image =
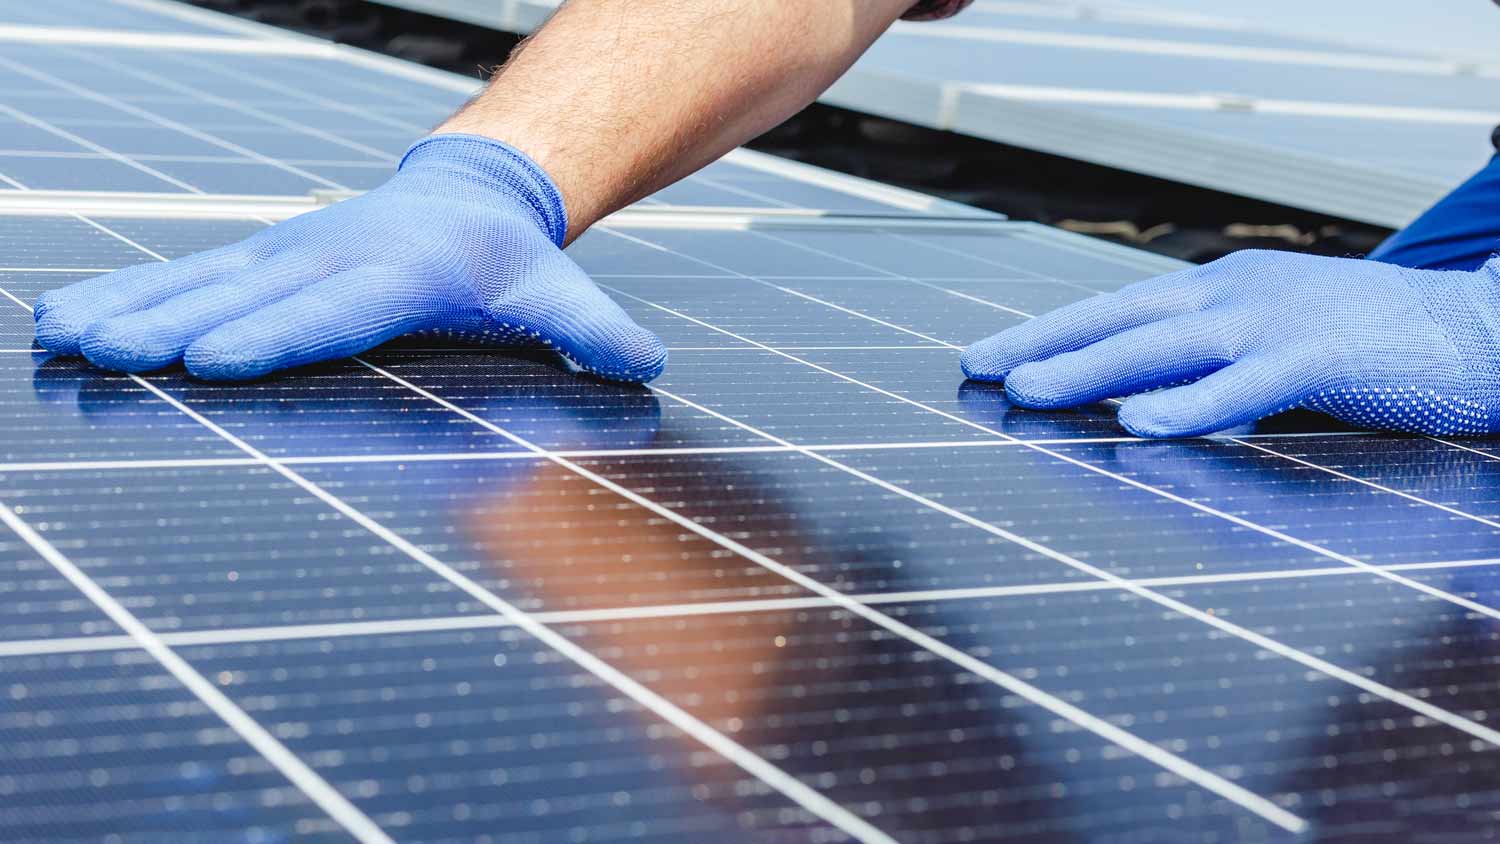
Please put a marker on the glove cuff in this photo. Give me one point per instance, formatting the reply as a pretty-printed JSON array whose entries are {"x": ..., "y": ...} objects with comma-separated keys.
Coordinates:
[{"x": 498, "y": 166}]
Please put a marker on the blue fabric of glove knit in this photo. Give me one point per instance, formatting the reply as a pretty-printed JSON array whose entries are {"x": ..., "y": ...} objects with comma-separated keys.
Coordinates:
[{"x": 465, "y": 239}]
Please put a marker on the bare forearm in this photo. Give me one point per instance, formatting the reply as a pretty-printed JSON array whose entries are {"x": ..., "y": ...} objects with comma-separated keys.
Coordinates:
[{"x": 616, "y": 99}]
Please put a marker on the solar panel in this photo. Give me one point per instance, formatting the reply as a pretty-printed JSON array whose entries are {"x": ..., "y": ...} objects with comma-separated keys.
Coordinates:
[
  {"x": 233, "y": 116},
  {"x": 1365, "y": 132},
  {"x": 808, "y": 586},
  {"x": 127, "y": 17}
]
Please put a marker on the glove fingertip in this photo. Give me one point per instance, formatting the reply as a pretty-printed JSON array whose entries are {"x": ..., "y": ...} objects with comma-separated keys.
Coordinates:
[
  {"x": 634, "y": 358},
  {"x": 1148, "y": 417},
  {"x": 58, "y": 335},
  {"x": 982, "y": 362},
  {"x": 1032, "y": 385},
  {"x": 124, "y": 346},
  {"x": 217, "y": 360}
]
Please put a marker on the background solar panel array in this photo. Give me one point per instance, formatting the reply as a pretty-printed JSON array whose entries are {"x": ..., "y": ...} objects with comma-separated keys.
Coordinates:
[
  {"x": 1360, "y": 130},
  {"x": 810, "y": 586}
]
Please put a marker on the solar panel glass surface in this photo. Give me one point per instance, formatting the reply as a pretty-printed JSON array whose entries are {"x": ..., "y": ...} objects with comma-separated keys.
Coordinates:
[
  {"x": 783, "y": 538},
  {"x": 76, "y": 117},
  {"x": 808, "y": 586},
  {"x": 1320, "y": 116}
]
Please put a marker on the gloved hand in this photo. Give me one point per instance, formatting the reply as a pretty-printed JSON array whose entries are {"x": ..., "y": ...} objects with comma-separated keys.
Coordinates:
[
  {"x": 1259, "y": 332},
  {"x": 465, "y": 238}
]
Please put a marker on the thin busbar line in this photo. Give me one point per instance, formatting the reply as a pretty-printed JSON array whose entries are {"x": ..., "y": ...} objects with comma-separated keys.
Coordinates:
[
  {"x": 1453, "y": 511},
  {"x": 317, "y": 789},
  {"x": 146, "y": 464},
  {"x": 65, "y": 270},
  {"x": 1025, "y": 274},
  {"x": 1189, "y": 771},
  {"x": 1471, "y": 605},
  {"x": 795, "y": 790},
  {"x": 438, "y": 624},
  {"x": 893, "y": 275},
  {"x": 790, "y": 787},
  {"x": 153, "y": 117},
  {"x": 1134, "y": 587},
  {"x": 1435, "y": 592},
  {"x": 192, "y": 158},
  {"x": 11, "y": 296},
  {"x": 108, "y": 153},
  {"x": 482, "y": 456},
  {"x": 205, "y": 96},
  {"x": 288, "y": 92},
  {"x": 1392, "y": 694}
]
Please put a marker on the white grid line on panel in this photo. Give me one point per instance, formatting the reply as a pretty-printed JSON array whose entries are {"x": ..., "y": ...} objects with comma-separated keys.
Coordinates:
[
  {"x": 236, "y": 105},
  {"x": 1434, "y": 713},
  {"x": 798, "y": 792},
  {"x": 308, "y": 781},
  {"x": 1421, "y": 707},
  {"x": 153, "y": 117},
  {"x": 1208, "y": 780},
  {"x": 1473, "y": 606},
  {"x": 247, "y": 635},
  {"x": 109, "y": 154}
]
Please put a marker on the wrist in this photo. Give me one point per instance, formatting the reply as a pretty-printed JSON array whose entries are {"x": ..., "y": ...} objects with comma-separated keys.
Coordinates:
[{"x": 493, "y": 165}]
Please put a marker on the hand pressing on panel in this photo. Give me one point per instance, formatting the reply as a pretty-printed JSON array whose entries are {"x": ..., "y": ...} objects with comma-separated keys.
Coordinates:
[
  {"x": 465, "y": 238},
  {"x": 1260, "y": 332}
]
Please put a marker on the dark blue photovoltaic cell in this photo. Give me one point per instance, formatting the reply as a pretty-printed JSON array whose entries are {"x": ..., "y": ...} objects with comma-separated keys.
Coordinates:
[
  {"x": 109, "y": 747},
  {"x": 548, "y": 407},
  {"x": 242, "y": 124},
  {"x": 744, "y": 308},
  {"x": 67, "y": 243},
  {"x": 1269, "y": 725},
  {"x": 1090, "y": 517},
  {"x": 429, "y": 735},
  {"x": 1391, "y": 634},
  {"x": 791, "y": 400},
  {"x": 869, "y": 580},
  {"x": 487, "y": 736},
  {"x": 875, "y": 723},
  {"x": 831, "y": 525},
  {"x": 292, "y": 560},
  {"x": 36, "y": 602},
  {"x": 933, "y": 378},
  {"x": 1339, "y": 515},
  {"x": 1466, "y": 478},
  {"x": 545, "y": 539},
  {"x": 63, "y": 410}
]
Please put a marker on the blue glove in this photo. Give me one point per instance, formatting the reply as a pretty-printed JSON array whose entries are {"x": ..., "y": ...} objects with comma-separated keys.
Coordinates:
[
  {"x": 464, "y": 239},
  {"x": 1256, "y": 333}
]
